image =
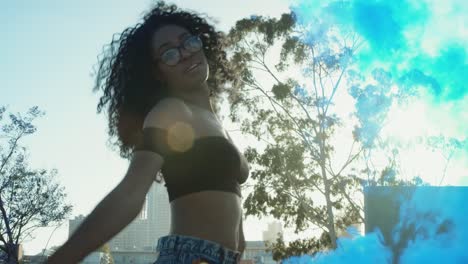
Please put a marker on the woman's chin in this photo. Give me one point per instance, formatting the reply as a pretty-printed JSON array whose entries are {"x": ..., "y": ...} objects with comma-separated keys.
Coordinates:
[
  {"x": 195, "y": 79},
  {"x": 198, "y": 79}
]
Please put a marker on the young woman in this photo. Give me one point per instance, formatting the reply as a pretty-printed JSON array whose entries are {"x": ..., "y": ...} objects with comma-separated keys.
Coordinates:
[{"x": 158, "y": 79}]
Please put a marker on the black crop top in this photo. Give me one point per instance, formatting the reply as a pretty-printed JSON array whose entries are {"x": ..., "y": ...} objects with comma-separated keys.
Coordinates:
[{"x": 211, "y": 163}]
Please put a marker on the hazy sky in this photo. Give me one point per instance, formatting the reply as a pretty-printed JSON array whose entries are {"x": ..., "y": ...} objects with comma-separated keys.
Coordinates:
[{"x": 47, "y": 52}]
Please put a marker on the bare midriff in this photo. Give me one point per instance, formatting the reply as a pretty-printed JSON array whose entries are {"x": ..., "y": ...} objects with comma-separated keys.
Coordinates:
[{"x": 209, "y": 215}]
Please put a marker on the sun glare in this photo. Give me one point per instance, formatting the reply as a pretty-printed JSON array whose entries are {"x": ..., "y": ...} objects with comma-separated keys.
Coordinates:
[{"x": 406, "y": 123}]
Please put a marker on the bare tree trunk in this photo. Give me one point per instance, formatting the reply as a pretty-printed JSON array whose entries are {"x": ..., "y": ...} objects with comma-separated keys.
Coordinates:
[
  {"x": 11, "y": 254},
  {"x": 331, "y": 218}
]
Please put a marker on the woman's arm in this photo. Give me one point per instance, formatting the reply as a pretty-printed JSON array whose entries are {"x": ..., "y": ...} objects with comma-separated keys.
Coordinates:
[
  {"x": 114, "y": 212},
  {"x": 110, "y": 216}
]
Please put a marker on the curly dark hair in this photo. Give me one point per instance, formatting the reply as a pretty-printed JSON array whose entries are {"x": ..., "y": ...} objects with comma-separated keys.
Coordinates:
[{"x": 125, "y": 71}]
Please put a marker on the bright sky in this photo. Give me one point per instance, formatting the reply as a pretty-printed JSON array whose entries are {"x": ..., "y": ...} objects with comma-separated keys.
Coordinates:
[{"x": 47, "y": 52}]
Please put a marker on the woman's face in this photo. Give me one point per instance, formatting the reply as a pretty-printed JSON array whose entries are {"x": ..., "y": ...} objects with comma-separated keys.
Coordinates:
[{"x": 181, "y": 77}]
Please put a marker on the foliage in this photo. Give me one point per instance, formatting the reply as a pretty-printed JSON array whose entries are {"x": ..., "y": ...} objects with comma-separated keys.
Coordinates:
[
  {"x": 299, "y": 176},
  {"x": 107, "y": 259},
  {"x": 29, "y": 198}
]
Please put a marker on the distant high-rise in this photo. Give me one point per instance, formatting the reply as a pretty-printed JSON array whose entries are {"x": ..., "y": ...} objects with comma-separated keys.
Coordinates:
[
  {"x": 256, "y": 252},
  {"x": 159, "y": 211},
  {"x": 142, "y": 233},
  {"x": 271, "y": 234},
  {"x": 152, "y": 223},
  {"x": 74, "y": 223}
]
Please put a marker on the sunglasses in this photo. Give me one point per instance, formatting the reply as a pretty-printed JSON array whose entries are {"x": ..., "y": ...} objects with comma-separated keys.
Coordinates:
[{"x": 172, "y": 56}]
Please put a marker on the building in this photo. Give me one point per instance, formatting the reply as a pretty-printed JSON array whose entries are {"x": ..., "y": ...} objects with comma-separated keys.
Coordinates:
[
  {"x": 94, "y": 258},
  {"x": 152, "y": 223},
  {"x": 255, "y": 252},
  {"x": 141, "y": 235},
  {"x": 74, "y": 223},
  {"x": 273, "y": 232},
  {"x": 36, "y": 259},
  {"x": 159, "y": 210},
  {"x": 134, "y": 256}
]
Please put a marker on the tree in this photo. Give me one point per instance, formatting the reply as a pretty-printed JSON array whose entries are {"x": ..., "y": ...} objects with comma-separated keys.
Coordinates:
[
  {"x": 29, "y": 198},
  {"x": 300, "y": 177},
  {"x": 107, "y": 259}
]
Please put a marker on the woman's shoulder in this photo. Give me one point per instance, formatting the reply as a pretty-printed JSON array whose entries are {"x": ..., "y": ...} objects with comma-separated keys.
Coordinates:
[{"x": 167, "y": 110}]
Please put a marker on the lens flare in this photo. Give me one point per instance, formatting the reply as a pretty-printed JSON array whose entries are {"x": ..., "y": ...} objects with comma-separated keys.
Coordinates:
[{"x": 180, "y": 137}]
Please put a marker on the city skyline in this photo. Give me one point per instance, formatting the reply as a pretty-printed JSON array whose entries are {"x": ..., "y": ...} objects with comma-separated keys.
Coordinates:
[
  {"x": 142, "y": 233},
  {"x": 139, "y": 236}
]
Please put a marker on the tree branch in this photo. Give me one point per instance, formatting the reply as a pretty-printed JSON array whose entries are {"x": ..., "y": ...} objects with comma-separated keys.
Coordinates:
[
  {"x": 314, "y": 71},
  {"x": 335, "y": 87},
  {"x": 352, "y": 203},
  {"x": 12, "y": 150},
  {"x": 446, "y": 166},
  {"x": 349, "y": 161},
  {"x": 292, "y": 95},
  {"x": 254, "y": 52},
  {"x": 6, "y": 220}
]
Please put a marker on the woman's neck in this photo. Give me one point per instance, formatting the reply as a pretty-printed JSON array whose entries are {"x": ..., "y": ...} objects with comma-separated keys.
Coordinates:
[{"x": 200, "y": 98}]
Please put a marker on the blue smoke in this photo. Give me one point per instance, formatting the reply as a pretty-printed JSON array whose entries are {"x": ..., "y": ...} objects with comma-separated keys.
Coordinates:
[
  {"x": 432, "y": 228},
  {"x": 392, "y": 35},
  {"x": 359, "y": 249},
  {"x": 439, "y": 216},
  {"x": 449, "y": 72},
  {"x": 381, "y": 23},
  {"x": 422, "y": 45}
]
